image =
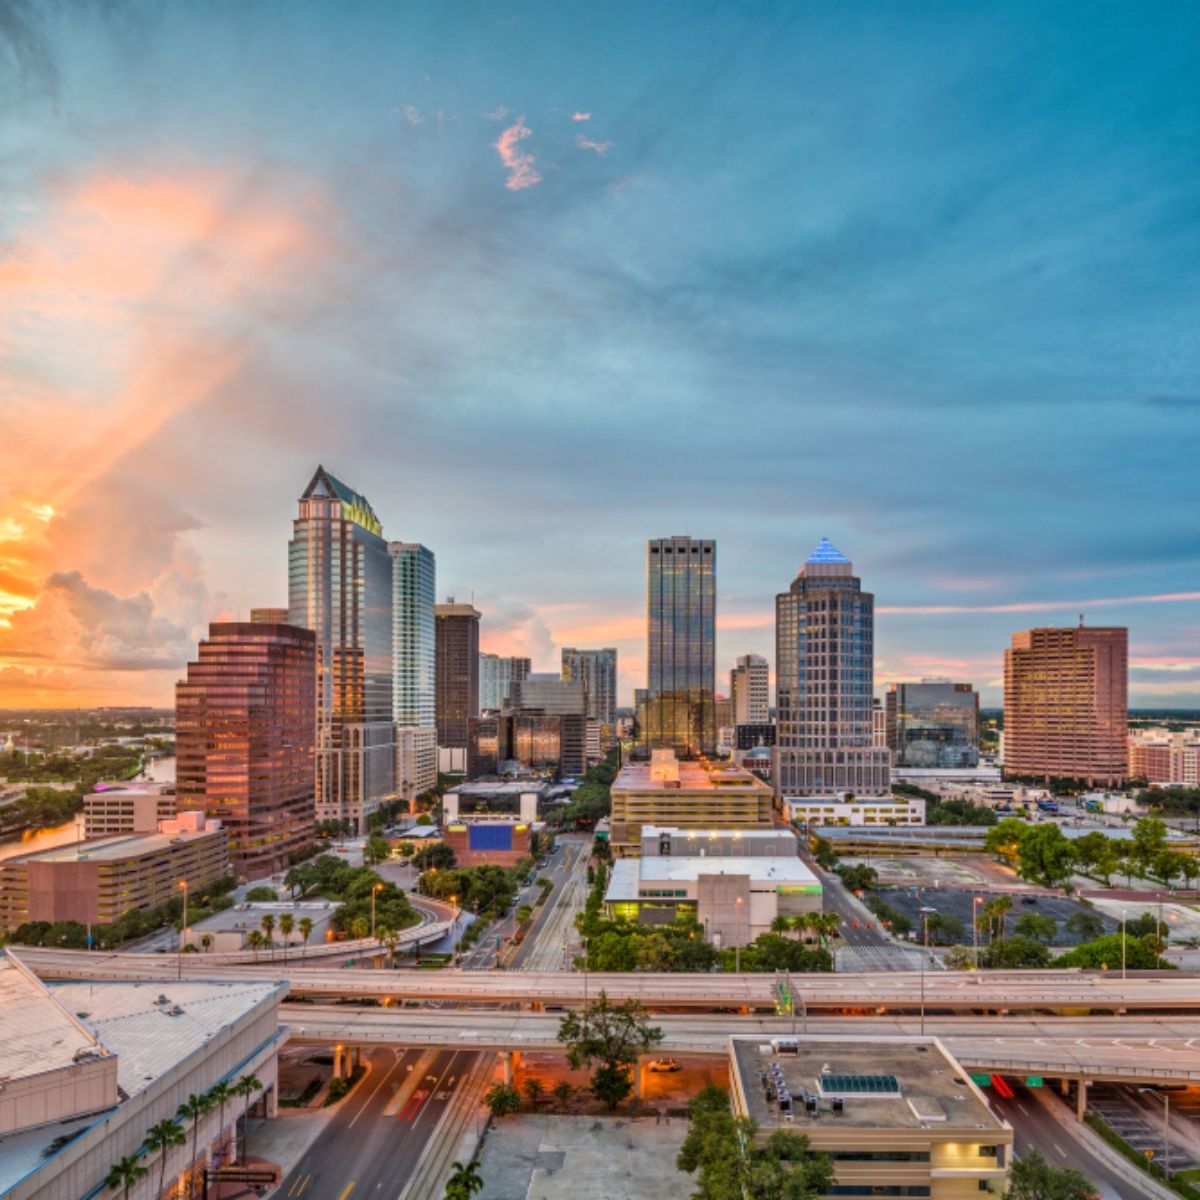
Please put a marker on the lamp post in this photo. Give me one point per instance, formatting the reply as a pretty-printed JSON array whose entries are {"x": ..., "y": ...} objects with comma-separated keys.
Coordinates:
[
  {"x": 1166, "y": 1127},
  {"x": 975, "y": 903},
  {"x": 924, "y": 951},
  {"x": 454, "y": 927},
  {"x": 1123, "y": 916},
  {"x": 376, "y": 889},
  {"x": 183, "y": 932}
]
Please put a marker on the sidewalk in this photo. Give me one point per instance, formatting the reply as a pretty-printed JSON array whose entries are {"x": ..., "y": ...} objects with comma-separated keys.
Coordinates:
[{"x": 284, "y": 1140}]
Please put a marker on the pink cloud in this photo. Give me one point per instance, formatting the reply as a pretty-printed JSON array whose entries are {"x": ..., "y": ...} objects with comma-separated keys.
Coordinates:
[
  {"x": 517, "y": 162},
  {"x": 581, "y": 116},
  {"x": 585, "y": 143},
  {"x": 1037, "y": 605},
  {"x": 497, "y": 114}
]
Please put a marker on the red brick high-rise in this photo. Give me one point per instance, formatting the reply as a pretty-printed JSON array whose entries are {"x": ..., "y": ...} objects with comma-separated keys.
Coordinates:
[
  {"x": 245, "y": 738},
  {"x": 1066, "y": 704}
]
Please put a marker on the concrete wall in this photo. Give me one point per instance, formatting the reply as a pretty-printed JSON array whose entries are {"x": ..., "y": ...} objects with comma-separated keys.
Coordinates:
[{"x": 724, "y": 908}]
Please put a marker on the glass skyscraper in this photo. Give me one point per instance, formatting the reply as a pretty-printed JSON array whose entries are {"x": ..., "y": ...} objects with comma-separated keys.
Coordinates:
[
  {"x": 340, "y": 586},
  {"x": 825, "y": 663},
  {"x": 414, "y": 595},
  {"x": 934, "y": 723},
  {"x": 681, "y": 604},
  {"x": 598, "y": 671}
]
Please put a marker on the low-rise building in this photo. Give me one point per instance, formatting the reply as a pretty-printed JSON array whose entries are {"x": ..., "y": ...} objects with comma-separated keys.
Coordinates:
[
  {"x": 686, "y": 795},
  {"x": 1165, "y": 756},
  {"x": 732, "y": 882},
  {"x": 99, "y": 881},
  {"x": 90, "y": 1067},
  {"x": 898, "y": 1116},
  {"x": 230, "y": 929},
  {"x": 500, "y": 843},
  {"x": 484, "y": 801},
  {"x": 135, "y": 808},
  {"x": 851, "y": 810}
]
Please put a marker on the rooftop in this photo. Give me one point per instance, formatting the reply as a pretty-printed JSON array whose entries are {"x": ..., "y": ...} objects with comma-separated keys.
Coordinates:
[
  {"x": 693, "y": 835},
  {"x": 935, "y": 1093},
  {"x": 826, "y": 552},
  {"x": 628, "y": 874},
  {"x": 693, "y": 777},
  {"x": 498, "y": 788},
  {"x": 113, "y": 849}
]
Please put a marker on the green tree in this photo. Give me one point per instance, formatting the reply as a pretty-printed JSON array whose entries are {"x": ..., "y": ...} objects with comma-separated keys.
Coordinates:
[
  {"x": 945, "y": 929},
  {"x": 161, "y": 1139},
  {"x": 1141, "y": 954},
  {"x": 1091, "y": 849},
  {"x": 1004, "y": 839},
  {"x": 287, "y": 923},
  {"x": 1045, "y": 856},
  {"x": 502, "y": 1099},
  {"x": 608, "y": 1038},
  {"x": 563, "y": 1093},
  {"x": 1086, "y": 926},
  {"x": 1037, "y": 927},
  {"x": 534, "y": 1090},
  {"x": 218, "y": 1096},
  {"x": 262, "y": 895},
  {"x": 267, "y": 921},
  {"x": 1013, "y": 953},
  {"x": 195, "y": 1108},
  {"x": 305, "y": 925},
  {"x": 246, "y": 1086},
  {"x": 376, "y": 849},
  {"x": 994, "y": 912},
  {"x": 464, "y": 1182},
  {"x": 124, "y": 1174},
  {"x": 1149, "y": 840},
  {"x": 1033, "y": 1178}
]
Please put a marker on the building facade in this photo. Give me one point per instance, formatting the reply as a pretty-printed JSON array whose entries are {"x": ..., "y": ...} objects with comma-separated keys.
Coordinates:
[
  {"x": 457, "y": 673},
  {"x": 340, "y": 587},
  {"x": 480, "y": 843},
  {"x": 1066, "y": 704},
  {"x": 414, "y": 667},
  {"x": 497, "y": 674},
  {"x": 750, "y": 690},
  {"x": 136, "y": 808},
  {"x": 597, "y": 671},
  {"x": 681, "y": 604},
  {"x": 825, "y": 664},
  {"x": 549, "y": 694},
  {"x": 934, "y": 723},
  {"x": 245, "y": 740},
  {"x": 1164, "y": 756}
]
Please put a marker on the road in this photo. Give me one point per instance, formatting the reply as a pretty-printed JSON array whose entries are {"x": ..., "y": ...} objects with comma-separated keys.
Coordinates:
[
  {"x": 547, "y": 946},
  {"x": 366, "y": 1152},
  {"x": 862, "y": 945},
  {"x": 1033, "y": 1128}
]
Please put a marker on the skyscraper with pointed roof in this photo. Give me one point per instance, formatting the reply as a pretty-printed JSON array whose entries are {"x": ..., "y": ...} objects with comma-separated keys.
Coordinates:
[
  {"x": 340, "y": 586},
  {"x": 825, "y": 675}
]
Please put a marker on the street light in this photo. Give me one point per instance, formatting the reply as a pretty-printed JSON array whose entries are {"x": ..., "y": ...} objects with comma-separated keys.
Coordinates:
[
  {"x": 377, "y": 888},
  {"x": 454, "y": 927},
  {"x": 1166, "y": 1127},
  {"x": 925, "y": 950},
  {"x": 183, "y": 932},
  {"x": 975, "y": 927}
]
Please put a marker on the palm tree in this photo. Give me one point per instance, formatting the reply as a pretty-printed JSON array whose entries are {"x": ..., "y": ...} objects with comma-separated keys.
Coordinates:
[
  {"x": 268, "y": 928},
  {"x": 359, "y": 927},
  {"x": 464, "y": 1182},
  {"x": 127, "y": 1171},
  {"x": 194, "y": 1109},
  {"x": 163, "y": 1138},
  {"x": 254, "y": 940},
  {"x": 245, "y": 1088},
  {"x": 305, "y": 925},
  {"x": 219, "y": 1095},
  {"x": 781, "y": 924},
  {"x": 286, "y": 924},
  {"x": 388, "y": 937}
]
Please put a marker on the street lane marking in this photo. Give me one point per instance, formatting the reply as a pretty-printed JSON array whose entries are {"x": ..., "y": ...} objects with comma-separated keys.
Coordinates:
[
  {"x": 347, "y": 1189},
  {"x": 307, "y": 1181}
]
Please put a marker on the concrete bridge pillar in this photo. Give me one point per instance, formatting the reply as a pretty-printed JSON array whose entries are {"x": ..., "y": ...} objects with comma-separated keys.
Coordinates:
[
  {"x": 1064, "y": 1087},
  {"x": 337, "y": 1062},
  {"x": 512, "y": 1060},
  {"x": 639, "y": 1071},
  {"x": 1081, "y": 1099}
]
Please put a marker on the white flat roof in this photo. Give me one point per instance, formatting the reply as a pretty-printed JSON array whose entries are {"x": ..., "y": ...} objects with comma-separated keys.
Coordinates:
[
  {"x": 628, "y": 874},
  {"x": 744, "y": 835}
]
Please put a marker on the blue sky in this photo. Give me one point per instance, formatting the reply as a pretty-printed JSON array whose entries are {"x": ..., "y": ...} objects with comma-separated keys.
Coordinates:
[{"x": 921, "y": 278}]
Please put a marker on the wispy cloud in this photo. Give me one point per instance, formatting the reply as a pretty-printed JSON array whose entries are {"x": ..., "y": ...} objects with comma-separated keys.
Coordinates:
[
  {"x": 497, "y": 114},
  {"x": 586, "y": 143},
  {"x": 522, "y": 173},
  {"x": 1038, "y": 605},
  {"x": 581, "y": 116}
]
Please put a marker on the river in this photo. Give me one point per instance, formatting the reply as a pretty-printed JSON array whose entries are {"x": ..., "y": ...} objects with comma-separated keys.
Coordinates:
[{"x": 161, "y": 770}]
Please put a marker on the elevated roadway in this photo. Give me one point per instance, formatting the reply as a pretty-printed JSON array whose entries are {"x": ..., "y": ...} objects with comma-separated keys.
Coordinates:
[
  {"x": 949, "y": 991},
  {"x": 1136, "y": 1050}
]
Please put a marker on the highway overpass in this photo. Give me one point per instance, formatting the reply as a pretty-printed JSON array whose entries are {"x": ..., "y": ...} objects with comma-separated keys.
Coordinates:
[{"x": 942, "y": 991}]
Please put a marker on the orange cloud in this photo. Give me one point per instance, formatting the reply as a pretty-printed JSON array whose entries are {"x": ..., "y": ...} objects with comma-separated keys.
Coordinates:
[{"x": 517, "y": 162}]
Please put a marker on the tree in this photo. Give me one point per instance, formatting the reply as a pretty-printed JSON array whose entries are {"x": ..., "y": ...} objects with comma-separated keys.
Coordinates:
[
  {"x": 305, "y": 925},
  {"x": 195, "y": 1108},
  {"x": 1149, "y": 840},
  {"x": 1013, "y": 953},
  {"x": 1033, "y": 1178},
  {"x": 376, "y": 849},
  {"x": 502, "y": 1099},
  {"x": 1169, "y": 863},
  {"x": 533, "y": 1089},
  {"x": 260, "y": 894},
  {"x": 945, "y": 929},
  {"x": 125, "y": 1173},
  {"x": 286, "y": 924},
  {"x": 1004, "y": 839},
  {"x": 609, "y": 1038},
  {"x": 218, "y": 1096},
  {"x": 1045, "y": 856},
  {"x": 162, "y": 1138},
  {"x": 1141, "y": 954},
  {"x": 464, "y": 1182},
  {"x": 360, "y": 927},
  {"x": 267, "y": 921},
  {"x": 206, "y": 941},
  {"x": 1086, "y": 926},
  {"x": 563, "y": 1093},
  {"x": 246, "y": 1086},
  {"x": 1091, "y": 849},
  {"x": 1037, "y": 927},
  {"x": 994, "y": 912}
]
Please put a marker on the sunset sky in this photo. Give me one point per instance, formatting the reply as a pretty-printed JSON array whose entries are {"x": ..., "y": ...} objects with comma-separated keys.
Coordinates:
[{"x": 545, "y": 280}]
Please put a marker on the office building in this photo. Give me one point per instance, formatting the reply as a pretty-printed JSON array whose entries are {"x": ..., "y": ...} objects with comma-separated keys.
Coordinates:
[
  {"x": 131, "y": 808},
  {"x": 878, "y": 724},
  {"x": 548, "y": 694},
  {"x": 681, "y": 604},
  {"x": 340, "y": 587},
  {"x": 245, "y": 740},
  {"x": 597, "y": 671},
  {"x": 497, "y": 673},
  {"x": 457, "y": 673},
  {"x": 734, "y": 883},
  {"x": 512, "y": 742},
  {"x": 414, "y": 668},
  {"x": 1165, "y": 756},
  {"x": 517, "y": 802},
  {"x": 685, "y": 795},
  {"x": 850, "y": 810},
  {"x": 483, "y": 843},
  {"x": 100, "y": 881},
  {"x": 898, "y": 1116},
  {"x": 750, "y": 690},
  {"x": 91, "y": 1066},
  {"x": 824, "y": 639},
  {"x": 934, "y": 723},
  {"x": 1066, "y": 705}
]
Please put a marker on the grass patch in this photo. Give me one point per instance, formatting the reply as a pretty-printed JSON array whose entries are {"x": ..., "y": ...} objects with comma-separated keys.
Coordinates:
[
  {"x": 302, "y": 1101},
  {"x": 339, "y": 1088},
  {"x": 1177, "y": 1183}
]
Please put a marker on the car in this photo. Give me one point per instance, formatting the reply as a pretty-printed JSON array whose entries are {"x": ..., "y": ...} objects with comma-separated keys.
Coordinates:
[
  {"x": 662, "y": 1065},
  {"x": 1029, "y": 899}
]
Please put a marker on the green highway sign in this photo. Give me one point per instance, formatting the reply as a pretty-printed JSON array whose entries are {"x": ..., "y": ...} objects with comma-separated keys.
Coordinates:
[
  {"x": 1033, "y": 1081},
  {"x": 982, "y": 1080}
]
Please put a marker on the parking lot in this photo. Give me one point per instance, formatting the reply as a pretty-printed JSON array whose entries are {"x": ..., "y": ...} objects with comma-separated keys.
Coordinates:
[
  {"x": 1141, "y": 1125},
  {"x": 944, "y": 871},
  {"x": 958, "y": 903}
]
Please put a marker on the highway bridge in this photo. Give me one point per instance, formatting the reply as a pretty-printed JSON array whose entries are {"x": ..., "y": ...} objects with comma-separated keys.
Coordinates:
[{"x": 942, "y": 991}]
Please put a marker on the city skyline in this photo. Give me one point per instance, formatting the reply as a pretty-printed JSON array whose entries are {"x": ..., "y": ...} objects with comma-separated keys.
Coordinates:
[{"x": 542, "y": 309}]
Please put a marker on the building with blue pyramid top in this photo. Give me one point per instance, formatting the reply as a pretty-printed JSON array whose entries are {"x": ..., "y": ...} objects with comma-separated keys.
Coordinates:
[{"x": 825, "y": 675}]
